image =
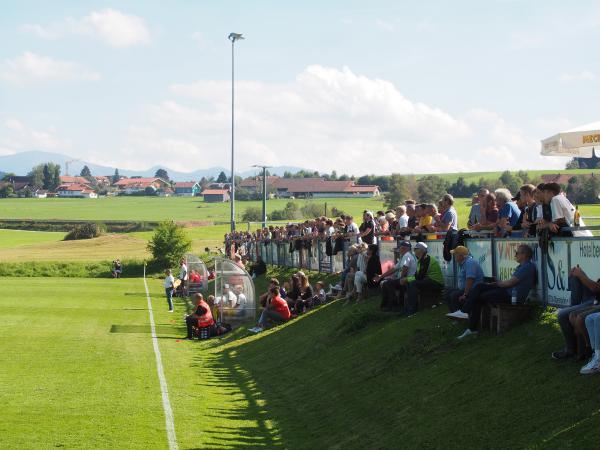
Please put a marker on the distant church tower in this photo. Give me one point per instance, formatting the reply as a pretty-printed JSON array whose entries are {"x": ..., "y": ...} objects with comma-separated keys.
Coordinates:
[{"x": 590, "y": 163}]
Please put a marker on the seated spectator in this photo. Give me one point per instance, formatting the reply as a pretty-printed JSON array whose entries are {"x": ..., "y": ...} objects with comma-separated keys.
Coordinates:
[
  {"x": 520, "y": 284},
  {"x": 194, "y": 277},
  {"x": 585, "y": 294},
  {"x": 392, "y": 291},
  {"x": 241, "y": 299},
  {"x": 258, "y": 268},
  {"x": 592, "y": 323},
  {"x": 449, "y": 217},
  {"x": 203, "y": 318},
  {"x": 320, "y": 297},
  {"x": 237, "y": 259},
  {"x": 117, "y": 268},
  {"x": 470, "y": 274},
  {"x": 277, "y": 311},
  {"x": 211, "y": 274},
  {"x": 304, "y": 300},
  {"x": 228, "y": 299},
  {"x": 428, "y": 278},
  {"x": 354, "y": 255},
  {"x": 264, "y": 299},
  {"x": 368, "y": 276}
]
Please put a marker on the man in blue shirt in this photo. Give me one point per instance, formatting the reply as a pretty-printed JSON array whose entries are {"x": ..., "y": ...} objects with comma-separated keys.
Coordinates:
[
  {"x": 523, "y": 279},
  {"x": 508, "y": 211},
  {"x": 449, "y": 219},
  {"x": 470, "y": 273}
]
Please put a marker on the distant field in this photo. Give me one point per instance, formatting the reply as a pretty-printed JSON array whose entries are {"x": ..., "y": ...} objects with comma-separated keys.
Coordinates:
[
  {"x": 473, "y": 177},
  {"x": 154, "y": 208}
]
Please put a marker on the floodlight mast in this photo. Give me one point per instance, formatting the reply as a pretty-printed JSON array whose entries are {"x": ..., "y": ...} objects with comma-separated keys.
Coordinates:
[
  {"x": 233, "y": 37},
  {"x": 264, "y": 189}
]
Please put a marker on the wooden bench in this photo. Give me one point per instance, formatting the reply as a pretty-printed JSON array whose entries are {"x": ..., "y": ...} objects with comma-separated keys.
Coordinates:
[{"x": 504, "y": 316}]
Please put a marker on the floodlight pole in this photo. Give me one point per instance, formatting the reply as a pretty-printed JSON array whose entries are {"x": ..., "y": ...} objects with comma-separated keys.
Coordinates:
[
  {"x": 264, "y": 198},
  {"x": 233, "y": 37}
]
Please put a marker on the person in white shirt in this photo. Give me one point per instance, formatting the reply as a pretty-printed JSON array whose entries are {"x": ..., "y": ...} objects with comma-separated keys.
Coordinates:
[
  {"x": 169, "y": 284},
  {"x": 228, "y": 299},
  {"x": 563, "y": 211},
  {"x": 352, "y": 231},
  {"x": 401, "y": 217},
  {"x": 405, "y": 267}
]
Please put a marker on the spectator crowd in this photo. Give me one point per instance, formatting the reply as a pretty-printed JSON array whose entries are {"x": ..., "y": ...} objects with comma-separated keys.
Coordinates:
[{"x": 534, "y": 211}]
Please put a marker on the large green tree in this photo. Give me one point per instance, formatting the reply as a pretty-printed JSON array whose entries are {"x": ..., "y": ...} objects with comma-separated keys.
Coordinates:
[
  {"x": 163, "y": 174},
  {"x": 168, "y": 245},
  {"x": 431, "y": 189},
  {"x": 397, "y": 191}
]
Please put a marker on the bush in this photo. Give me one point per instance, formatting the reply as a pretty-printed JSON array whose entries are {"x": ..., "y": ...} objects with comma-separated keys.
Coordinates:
[
  {"x": 86, "y": 231},
  {"x": 290, "y": 212},
  {"x": 311, "y": 210},
  {"x": 168, "y": 245},
  {"x": 252, "y": 214},
  {"x": 337, "y": 212}
]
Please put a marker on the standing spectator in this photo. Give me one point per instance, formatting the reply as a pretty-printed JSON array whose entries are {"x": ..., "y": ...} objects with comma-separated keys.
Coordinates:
[
  {"x": 367, "y": 229},
  {"x": 169, "y": 285},
  {"x": 449, "y": 216},
  {"x": 563, "y": 212},
  {"x": 509, "y": 212},
  {"x": 392, "y": 291},
  {"x": 520, "y": 284},
  {"x": 469, "y": 275},
  {"x": 402, "y": 217},
  {"x": 477, "y": 214},
  {"x": 117, "y": 268},
  {"x": 585, "y": 293},
  {"x": 527, "y": 194},
  {"x": 413, "y": 220},
  {"x": 183, "y": 276},
  {"x": 351, "y": 230},
  {"x": 428, "y": 278}
]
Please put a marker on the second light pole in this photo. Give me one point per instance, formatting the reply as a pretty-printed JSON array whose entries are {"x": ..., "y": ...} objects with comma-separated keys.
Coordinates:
[{"x": 233, "y": 37}]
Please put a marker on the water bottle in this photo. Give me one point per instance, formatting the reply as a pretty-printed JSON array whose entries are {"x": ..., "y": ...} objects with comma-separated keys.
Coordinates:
[{"x": 513, "y": 298}]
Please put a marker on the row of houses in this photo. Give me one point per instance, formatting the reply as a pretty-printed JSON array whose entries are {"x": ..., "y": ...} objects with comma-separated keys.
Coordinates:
[{"x": 81, "y": 187}]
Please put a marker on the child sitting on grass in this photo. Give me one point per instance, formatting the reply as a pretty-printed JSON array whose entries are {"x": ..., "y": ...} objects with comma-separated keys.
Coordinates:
[{"x": 319, "y": 297}]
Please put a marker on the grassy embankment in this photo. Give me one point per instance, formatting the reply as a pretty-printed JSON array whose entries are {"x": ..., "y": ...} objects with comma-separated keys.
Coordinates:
[{"x": 341, "y": 377}]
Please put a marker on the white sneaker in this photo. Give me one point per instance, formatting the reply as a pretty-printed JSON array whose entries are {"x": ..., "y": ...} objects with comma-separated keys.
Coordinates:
[
  {"x": 255, "y": 330},
  {"x": 458, "y": 315},
  {"x": 592, "y": 367},
  {"x": 467, "y": 333},
  {"x": 337, "y": 287},
  {"x": 170, "y": 310}
]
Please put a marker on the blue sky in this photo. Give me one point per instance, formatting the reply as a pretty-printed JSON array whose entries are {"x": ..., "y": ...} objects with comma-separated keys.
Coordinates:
[{"x": 354, "y": 86}]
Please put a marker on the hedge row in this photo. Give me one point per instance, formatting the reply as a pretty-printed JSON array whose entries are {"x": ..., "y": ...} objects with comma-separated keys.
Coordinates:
[
  {"x": 102, "y": 269},
  {"x": 69, "y": 225}
]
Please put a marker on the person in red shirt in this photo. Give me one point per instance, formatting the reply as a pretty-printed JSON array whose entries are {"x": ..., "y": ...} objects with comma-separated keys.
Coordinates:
[
  {"x": 276, "y": 311},
  {"x": 203, "y": 318}
]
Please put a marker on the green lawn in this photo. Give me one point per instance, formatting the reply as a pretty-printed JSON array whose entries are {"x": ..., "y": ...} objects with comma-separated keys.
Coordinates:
[
  {"x": 78, "y": 372},
  {"x": 153, "y": 208},
  {"x": 18, "y": 238},
  {"x": 474, "y": 177}
]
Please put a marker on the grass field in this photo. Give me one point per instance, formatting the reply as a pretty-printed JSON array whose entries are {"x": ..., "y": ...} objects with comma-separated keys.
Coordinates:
[
  {"x": 153, "y": 208},
  {"x": 78, "y": 372},
  {"x": 474, "y": 177}
]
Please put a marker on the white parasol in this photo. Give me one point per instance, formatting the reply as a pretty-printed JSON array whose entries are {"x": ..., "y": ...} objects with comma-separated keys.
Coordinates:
[{"x": 578, "y": 142}]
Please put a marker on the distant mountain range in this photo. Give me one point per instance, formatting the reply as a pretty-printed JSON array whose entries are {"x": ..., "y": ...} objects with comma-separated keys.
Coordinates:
[{"x": 21, "y": 163}]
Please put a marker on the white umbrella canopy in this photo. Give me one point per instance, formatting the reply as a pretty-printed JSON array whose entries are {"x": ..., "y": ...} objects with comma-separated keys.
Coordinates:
[{"x": 578, "y": 142}]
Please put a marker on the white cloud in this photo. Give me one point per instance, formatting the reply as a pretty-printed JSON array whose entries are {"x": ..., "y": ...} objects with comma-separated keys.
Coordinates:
[
  {"x": 109, "y": 25},
  {"x": 385, "y": 25},
  {"x": 16, "y": 136},
  {"x": 325, "y": 119},
  {"x": 30, "y": 67},
  {"x": 584, "y": 75}
]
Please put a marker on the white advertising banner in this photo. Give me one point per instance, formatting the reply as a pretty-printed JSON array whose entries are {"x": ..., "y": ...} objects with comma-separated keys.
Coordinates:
[
  {"x": 506, "y": 262},
  {"x": 436, "y": 249},
  {"x": 557, "y": 271},
  {"x": 586, "y": 254},
  {"x": 481, "y": 251}
]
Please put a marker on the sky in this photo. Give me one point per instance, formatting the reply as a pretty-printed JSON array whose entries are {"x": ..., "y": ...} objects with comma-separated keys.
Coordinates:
[{"x": 353, "y": 86}]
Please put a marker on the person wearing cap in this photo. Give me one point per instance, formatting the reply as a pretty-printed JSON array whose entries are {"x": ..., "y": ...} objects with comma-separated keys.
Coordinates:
[
  {"x": 392, "y": 291},
  {"x": 470, "y": 273},
  {"x": 428, "y": 278},
  {"x": 519, "y": 285},
  {"x": 367, "y": 229}
]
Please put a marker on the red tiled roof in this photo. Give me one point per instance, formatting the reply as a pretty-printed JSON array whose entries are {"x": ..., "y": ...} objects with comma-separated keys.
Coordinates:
[
  {"x": 74, "y": 187},
  {"x": 215, "y": 192},
  {"x": 562, "y": 178},
  {"x": 308, "y": 185},
  {"x": 66, "y": 179},
  {"x": 185, "y": 184},
  {"x": 257, "y": 181},
  {"x": 138, "y": 181}
]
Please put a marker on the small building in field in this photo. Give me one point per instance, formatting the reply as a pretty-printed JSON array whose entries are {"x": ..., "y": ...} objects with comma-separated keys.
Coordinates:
[
  {"x": 311, "y": 187},
  {"x": 215, "y": 195},
  {"x": 75, "y": 191},
  {"x": 40, "y": 193},
  {"x": 187, "y": 188}
]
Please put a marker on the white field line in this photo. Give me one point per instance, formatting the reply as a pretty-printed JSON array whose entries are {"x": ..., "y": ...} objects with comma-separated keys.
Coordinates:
[{"x": 170, "y": 423}]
